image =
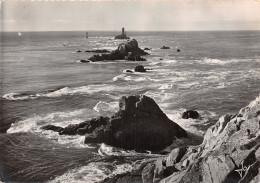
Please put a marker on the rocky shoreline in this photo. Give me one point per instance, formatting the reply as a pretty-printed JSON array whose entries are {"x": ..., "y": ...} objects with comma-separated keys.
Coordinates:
[{"x": 230, "y": 152}]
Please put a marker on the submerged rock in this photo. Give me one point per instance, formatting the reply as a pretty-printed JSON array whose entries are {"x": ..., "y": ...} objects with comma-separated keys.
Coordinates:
[
  {"x": 178, "y": 50},
  {"x": 165, "y": 47},
  {"x": 52, "y": 127},
  {"x": 129, "y": 71},
  {"x": 84, "y": 61},
  {"x": 125, "y": 51},
  {"x": 147, "y": 48},
  {"x": 139, "y": 124},
  {"x": 140, "y": 68},
  {"x": 190, "y": 114}
]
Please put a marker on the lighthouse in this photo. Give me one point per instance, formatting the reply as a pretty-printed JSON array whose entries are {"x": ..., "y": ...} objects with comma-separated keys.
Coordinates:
[
  {"x": 123, "y": 35},
  {"x": 123, "y": 31}
]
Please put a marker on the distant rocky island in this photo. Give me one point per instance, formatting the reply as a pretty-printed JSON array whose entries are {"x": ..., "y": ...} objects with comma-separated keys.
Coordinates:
[
  {"x": 123, "y": 35},
  {"x": 125, "y": 51}
]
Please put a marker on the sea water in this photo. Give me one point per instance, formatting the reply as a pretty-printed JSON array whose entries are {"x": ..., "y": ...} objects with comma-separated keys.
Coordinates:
[{"x": 43, "y": 82}]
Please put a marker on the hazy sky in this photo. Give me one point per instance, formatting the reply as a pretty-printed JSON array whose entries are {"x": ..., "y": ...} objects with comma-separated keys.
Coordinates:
[{"x": 133, "y": 15}]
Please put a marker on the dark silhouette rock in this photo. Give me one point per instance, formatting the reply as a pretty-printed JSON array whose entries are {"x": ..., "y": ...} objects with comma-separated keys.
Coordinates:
[
  {"x": 84, "y": 61},
  {"x": 140, "y": 68},
  {"x": 79, "y": 51},
  {"x": 178, "y": 50},
  {"x": 98, "y": 51},
  {"x": 190, "y": 114},
  {"x": 81, "y": 128},
  {"x": 129, "y": 71},
  {"x": 125, "y": 51},
  {"x": 52, "y": 127},
  {"x": 147, "y": 48},
  {"x": 139, "y": 124},
  {"x": 165, "y": 47},
  {"x": 161, "y": 59},
  {"x": 134, "y": 57}
]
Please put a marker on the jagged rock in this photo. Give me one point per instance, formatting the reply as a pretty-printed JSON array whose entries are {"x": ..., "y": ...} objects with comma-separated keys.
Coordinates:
[
  {"x": 52, "y": 127},
  {"x": 147, "y": 48},
  {"x": 190, "y": 114},
  {"x": 148, "y": 173},
  {"x": 229, "y": 153},
  {"x": 84, "y": 61},
  {"x": 165, "y": 47},
  {"x": 140, "y": 68},
  {"x": 129, "y": 71},
  {"x": 81, "y": 128},
  {"x": 133, "y": 57},
  {"x": 125, "y": 51},
  {"x": 175, "y": 156},
  {"x": 139, "y": 124},
  {"x": 226, "y": 148}
]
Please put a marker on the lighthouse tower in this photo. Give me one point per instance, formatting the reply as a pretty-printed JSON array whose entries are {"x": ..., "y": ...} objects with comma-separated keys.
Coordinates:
[{"x": 123, "y": 31}]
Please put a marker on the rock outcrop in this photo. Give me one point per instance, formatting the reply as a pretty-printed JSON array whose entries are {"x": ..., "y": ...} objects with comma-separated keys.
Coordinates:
[
  {"x": 140, "y": 68},
  {"x": 125, "y": 51},
  {"x": 84, "y": 61},
  {"x": 229, "y": 153},
  {"x": 190, "y": 114},
  {"x": 139, "y": 124},
  {"x": 165, "y": 47}
]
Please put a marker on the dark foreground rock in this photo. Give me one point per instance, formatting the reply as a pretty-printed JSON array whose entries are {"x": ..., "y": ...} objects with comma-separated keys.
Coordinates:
[
  {"x": 140, "y": 68},
  {"x": 139, "y": 124},
  {"x": 229, "y": 153},
  {"x": 125, "y": 51},
  {"x": 190, "y": 114}
]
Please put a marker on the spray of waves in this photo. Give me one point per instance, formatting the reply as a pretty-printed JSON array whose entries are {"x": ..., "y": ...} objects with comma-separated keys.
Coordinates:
[
  {"x": 104, "y": 107},
  {"x": 212, "y": 61},
  {"x": 115, "y": 161},
  {"x": 89, "y": 89},
  {"x": 34, "y": 123},
  {"x": 94, "y": 172}
]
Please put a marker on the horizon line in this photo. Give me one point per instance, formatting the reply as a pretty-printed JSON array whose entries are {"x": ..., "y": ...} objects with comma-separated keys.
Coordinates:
[{"x": 132, "y": 30}]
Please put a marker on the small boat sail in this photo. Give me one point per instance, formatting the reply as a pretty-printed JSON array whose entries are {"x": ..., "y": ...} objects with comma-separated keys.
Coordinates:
[
  {"x": 86, "y": 34},
  {"x": 19, "y": 34}
]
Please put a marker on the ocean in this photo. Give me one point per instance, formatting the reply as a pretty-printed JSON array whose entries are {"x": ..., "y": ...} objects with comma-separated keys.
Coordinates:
[{"x": 43, "y": 82}]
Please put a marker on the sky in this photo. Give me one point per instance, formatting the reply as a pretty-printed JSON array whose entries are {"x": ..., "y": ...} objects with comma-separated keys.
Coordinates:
[{"x": 134, "y": 15}]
